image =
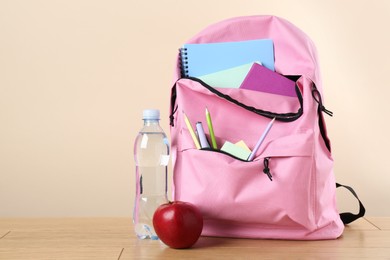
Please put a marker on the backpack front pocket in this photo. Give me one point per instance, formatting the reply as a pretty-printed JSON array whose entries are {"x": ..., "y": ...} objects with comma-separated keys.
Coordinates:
[{"x": 230, "y": 191}]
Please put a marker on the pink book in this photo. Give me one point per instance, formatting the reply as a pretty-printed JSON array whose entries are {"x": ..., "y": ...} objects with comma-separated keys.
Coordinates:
[{"x": 259, "y": 78}]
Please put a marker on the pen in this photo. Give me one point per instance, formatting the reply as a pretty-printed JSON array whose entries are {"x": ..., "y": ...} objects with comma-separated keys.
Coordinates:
[
  {"x": 193, "y": 135},
  {"x": 211, "y": 129},
  {"x": 201, "y": 135},
  {"x": 253, "y": 153}
]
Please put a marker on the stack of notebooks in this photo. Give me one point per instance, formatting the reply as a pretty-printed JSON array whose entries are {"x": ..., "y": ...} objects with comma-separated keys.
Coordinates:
[{"x": 243, "y": 64}]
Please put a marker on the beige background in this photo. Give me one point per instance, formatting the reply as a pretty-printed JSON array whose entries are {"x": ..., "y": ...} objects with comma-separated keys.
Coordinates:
[{"x": 76, "y": 75}]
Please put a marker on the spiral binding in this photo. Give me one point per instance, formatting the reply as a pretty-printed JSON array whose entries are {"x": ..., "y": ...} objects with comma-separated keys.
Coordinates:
[{"x": 183, "y": 62}]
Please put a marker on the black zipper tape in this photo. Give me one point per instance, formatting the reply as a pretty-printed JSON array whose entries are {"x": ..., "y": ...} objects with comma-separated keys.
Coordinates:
[
  {"x": 317, "y": 97},
  {"x": 283, "y": 117},
  {"x": 266, "y": 169},
  {"x": 321, "y": 121},
  {"x": 223, "y": 152}
]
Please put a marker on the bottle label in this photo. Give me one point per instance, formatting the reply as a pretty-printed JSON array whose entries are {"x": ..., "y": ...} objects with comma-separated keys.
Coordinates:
[
  {"x": 164, "y": 160},
  {"x": 144, "y": 141}
]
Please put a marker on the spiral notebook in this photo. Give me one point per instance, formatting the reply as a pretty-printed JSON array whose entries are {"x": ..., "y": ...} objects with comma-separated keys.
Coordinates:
[{"x": 205, "y": 58}]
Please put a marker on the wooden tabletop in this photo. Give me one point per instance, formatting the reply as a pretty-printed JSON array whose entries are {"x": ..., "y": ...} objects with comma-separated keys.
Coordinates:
[{"x": 113, "y": 238}]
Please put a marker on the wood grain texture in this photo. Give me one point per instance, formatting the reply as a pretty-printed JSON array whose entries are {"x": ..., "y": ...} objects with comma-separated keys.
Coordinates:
[{"x": 113, "y": 238}]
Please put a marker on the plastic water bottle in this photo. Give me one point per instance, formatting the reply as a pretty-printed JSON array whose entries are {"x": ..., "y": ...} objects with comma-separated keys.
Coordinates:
[{"x": 151, "y": 154}]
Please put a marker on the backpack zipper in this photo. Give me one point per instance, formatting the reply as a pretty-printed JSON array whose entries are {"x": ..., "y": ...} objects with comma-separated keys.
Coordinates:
[
  {"x": 321, "y": 121},
  {"x": 223, "y": 152},
  {"x": 317, "y": 97},
  {"x": 266, "y": 169},
  {"x": 284, "y": 117}
]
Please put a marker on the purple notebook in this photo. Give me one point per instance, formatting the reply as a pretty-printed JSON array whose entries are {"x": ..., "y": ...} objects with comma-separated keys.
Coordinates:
[{"x": 259, "y": 78}]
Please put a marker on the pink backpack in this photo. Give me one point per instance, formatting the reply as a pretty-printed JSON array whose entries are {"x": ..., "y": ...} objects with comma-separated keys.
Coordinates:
[{"x": 288, "y": 190}]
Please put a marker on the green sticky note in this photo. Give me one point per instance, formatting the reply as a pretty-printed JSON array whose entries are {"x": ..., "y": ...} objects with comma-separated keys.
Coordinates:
[{"x": 235, "y": 150}]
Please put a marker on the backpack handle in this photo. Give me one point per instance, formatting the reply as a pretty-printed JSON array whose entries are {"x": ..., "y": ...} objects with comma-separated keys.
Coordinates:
[{"x": 348, "y": 217}]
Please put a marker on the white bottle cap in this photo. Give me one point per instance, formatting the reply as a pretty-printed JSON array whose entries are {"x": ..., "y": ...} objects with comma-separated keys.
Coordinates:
[{"x": 151, "y": 114}]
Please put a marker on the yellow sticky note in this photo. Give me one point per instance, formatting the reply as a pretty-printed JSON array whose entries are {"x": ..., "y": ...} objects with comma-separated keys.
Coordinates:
[{"x": 242, "y": 144}]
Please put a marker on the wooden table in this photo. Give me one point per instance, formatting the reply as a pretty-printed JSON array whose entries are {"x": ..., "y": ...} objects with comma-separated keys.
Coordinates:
[{"x": 113, "y": 238}]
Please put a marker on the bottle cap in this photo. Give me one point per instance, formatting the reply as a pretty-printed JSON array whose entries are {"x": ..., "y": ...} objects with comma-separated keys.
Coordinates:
[{"x": 151, "y": 114}]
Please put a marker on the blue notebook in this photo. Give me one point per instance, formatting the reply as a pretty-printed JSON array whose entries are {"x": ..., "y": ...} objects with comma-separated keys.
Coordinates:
[{"x": 205, "y": 58}]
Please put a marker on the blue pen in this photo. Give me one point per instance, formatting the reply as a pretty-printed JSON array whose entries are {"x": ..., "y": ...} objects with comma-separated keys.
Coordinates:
[{"x": 253, "y": 153}]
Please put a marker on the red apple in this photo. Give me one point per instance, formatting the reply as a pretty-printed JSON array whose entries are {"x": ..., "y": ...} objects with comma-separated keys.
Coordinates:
[{"x": 178, "y": 224}]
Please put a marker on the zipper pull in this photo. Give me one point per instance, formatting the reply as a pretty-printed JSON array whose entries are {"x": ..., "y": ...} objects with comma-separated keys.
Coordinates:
[
  {"x": 266, "y": 168},
  {"x": 317, "y": 97},
  {"x": 171, "y": 116}
]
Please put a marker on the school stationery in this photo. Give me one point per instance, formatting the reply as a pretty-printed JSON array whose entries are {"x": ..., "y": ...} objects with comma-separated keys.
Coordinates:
[
  {"x": 202, "y": 137},
  {"x": 191, "y": 130},
  {"x": 259, "y": 78},
  {"x": 205, "y": 58},
  {"x": 229, "y": 78},
  {"x": 242, "y": 144},
  {"x": 211, "y": 129},
  {"x": 261, "y": 140},
  {"x": 235, "y": 150}
]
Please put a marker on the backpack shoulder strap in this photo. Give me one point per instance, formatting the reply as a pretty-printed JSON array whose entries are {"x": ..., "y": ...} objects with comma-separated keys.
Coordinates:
[{"x": 348, "y": 217}]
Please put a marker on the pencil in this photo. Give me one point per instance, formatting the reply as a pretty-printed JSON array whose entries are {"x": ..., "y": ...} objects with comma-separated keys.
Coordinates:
[
  {"x": 193, "y": 135},
  {"x": 211, "y": 129},
  {"x": 252, "y": 155}
]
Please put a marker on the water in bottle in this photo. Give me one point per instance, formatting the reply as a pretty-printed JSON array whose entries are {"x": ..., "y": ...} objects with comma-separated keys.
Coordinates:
[{"x": 151, "y": 154}]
